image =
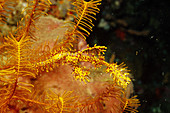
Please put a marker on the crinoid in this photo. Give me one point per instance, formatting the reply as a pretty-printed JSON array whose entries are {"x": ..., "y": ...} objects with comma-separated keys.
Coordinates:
[{"x": 53, "y": 78}]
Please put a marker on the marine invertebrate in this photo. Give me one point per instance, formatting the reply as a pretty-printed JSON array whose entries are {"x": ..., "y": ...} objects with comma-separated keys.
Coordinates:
[{"x": 26, "y": 66}]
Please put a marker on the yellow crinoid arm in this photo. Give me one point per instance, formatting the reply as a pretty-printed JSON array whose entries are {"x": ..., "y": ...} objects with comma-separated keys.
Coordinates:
[
  {"x": 83, "y": 14},
  {"x": 6, "y": 7},
  {"x": 18, "y": 53},
  {"x": 34, "y": 10}
]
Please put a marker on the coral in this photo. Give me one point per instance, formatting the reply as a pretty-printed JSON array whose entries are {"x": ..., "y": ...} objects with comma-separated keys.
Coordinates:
[{"x": 46, "y": 65}]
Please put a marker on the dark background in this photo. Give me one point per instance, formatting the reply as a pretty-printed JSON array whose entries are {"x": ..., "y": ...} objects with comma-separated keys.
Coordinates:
[{"x": 137, "y": 32}]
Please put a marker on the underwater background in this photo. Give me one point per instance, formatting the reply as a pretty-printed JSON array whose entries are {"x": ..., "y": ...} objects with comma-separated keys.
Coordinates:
[{"x": 137, "y": 32}]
